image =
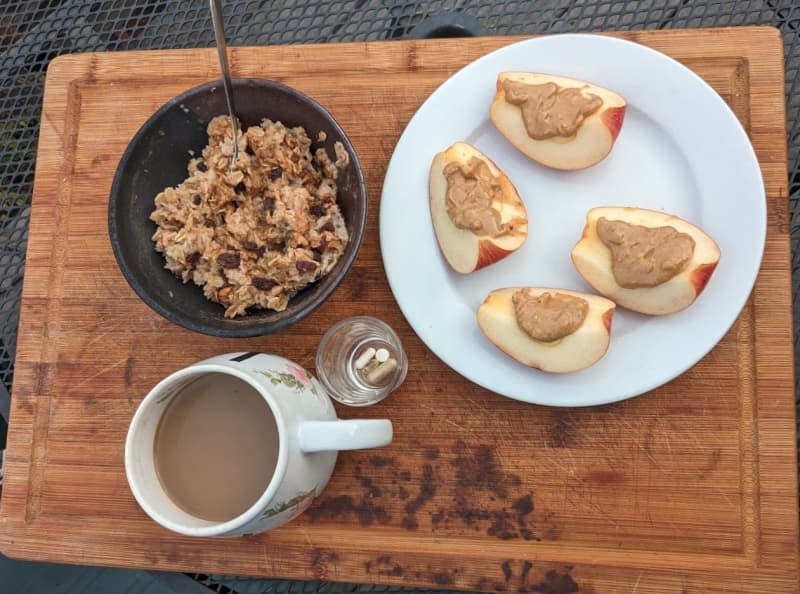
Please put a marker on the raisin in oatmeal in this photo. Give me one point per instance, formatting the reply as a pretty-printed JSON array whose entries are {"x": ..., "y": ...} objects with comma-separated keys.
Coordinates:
[{"x": 254, "y": 236}]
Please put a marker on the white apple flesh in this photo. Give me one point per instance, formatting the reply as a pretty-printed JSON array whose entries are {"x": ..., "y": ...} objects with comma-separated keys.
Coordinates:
[
  {"x": 590, "y": 144},
  {"x": 592, "y": 258},
  {"x": 581, "y": 349},
  {"x": 464, "y": 250}
]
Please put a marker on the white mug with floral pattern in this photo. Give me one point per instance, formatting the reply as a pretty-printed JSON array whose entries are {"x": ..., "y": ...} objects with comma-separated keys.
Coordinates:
[{"x": 309, "y": 437}]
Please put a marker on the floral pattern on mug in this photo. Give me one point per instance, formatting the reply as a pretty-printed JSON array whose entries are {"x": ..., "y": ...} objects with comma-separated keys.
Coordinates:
[
  {"x": 296, "y": 378},
  {"x": 300, "y": 375},
  {"x": 299, "y": 502}
]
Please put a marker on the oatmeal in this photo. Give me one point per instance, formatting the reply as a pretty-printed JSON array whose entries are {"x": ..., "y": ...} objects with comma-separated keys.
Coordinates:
[{"x": 254, "y": 236}]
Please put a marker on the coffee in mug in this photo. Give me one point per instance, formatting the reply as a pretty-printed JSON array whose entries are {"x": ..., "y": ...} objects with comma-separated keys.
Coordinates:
[
  {"x": 237, "y": 444},
  {"x": 216, "y": 447}
]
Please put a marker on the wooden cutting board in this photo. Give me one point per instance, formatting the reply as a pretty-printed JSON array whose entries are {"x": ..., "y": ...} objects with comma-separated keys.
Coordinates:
[{"x": 690, "y": 488}]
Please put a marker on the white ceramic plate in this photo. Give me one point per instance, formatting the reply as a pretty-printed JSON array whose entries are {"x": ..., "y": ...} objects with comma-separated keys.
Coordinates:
[{"x": 681, "y": 150}]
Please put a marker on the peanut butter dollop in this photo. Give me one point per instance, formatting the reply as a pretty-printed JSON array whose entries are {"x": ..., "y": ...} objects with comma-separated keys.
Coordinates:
[
  {"x": 644, "y": 256},
  {"x": 472, "y": 192},
  {"x": 550, "y": 111},
  {"x": 549, "y": 316}
]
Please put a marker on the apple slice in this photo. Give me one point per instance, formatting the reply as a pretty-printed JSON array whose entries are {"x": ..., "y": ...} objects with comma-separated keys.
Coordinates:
[
  {"x": 464, "y": 249},
  {"x": 593, "y": 259},
  {"x": 581, "y": 348},
  {"x": 591, "y": 142}
]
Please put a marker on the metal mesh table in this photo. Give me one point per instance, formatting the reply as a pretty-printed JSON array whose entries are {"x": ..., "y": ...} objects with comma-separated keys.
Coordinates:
[{"x": 32, "y": 32}]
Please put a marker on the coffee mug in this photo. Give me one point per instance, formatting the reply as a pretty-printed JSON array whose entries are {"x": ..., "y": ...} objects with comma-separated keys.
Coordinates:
[{"x": 298, "y": 412}]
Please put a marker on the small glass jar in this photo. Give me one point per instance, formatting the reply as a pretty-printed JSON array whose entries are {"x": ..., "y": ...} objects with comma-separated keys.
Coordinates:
[{"x": 360, "y": 361}]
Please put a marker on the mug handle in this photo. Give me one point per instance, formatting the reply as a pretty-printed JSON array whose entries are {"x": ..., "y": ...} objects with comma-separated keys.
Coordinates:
[{"x": 354, "y": 434}]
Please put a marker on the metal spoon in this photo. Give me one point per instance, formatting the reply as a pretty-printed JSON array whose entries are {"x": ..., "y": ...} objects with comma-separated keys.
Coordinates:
[{"x": 222, "y": 53}]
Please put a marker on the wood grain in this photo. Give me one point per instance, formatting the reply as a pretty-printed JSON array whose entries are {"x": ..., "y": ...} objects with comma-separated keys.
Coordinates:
[{"x": 690, "y": 488}]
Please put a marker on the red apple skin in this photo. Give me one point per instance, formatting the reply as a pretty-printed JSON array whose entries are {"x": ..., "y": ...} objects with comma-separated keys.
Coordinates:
[
  {"x": 701, "y": 275},
  {"x": 489, "y": 253},
  {"x": 613, "y": 119},
  {"x": 607, "y": 317}
]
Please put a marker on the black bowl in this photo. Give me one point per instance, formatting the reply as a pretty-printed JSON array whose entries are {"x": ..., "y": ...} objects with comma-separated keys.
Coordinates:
[{"x": 157, "y": 157}]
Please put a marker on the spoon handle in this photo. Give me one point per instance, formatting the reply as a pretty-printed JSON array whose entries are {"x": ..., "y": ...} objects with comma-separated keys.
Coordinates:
[{"x": 222, "y": 53}]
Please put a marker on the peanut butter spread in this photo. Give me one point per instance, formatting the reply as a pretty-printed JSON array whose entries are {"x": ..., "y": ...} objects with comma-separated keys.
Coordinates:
[
  {"x": 549, "y": 110},
  {"x": 549, "y": 316},
  {"x": 471, "y": 192},
  {"x": 644, "y": 256}
]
